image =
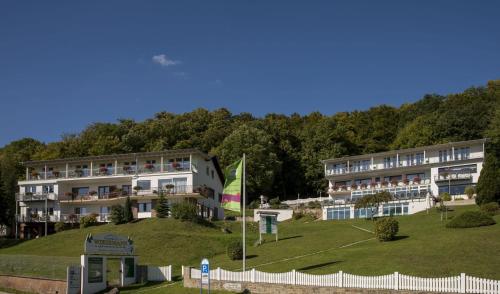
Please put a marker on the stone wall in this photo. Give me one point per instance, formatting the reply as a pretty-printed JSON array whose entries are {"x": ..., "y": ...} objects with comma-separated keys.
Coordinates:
[
  {"x": 265, "y": 288},
  {"x": 33, "y": 285}
]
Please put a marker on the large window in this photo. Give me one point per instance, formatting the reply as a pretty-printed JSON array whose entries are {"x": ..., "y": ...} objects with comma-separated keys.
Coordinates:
[
  {"x": 364, "y": 212},
  {"x": 395, "y": 209},
  {"x": 361, "y": 165},
  {"x": 48, "y": 188},
  {"x": 144, "y": 184},
  {"x": 30, "y": 189},
  {"x": 462, "y": 153},
  {"x": 338, "y": 213},
  {"x": 443, "y": 155},
  {"x": 390, "y": 162},
  {"x": 338, "y": 168},
  {"x": 460, "y": 169},
  {"x": 145, "y": 207},
  {"x": 453, "y": 189},
  {"x": 80, "y": 191}
]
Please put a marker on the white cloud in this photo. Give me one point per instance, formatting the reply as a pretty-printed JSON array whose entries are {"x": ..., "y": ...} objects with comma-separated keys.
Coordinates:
[{"x": 164, "y": 60}]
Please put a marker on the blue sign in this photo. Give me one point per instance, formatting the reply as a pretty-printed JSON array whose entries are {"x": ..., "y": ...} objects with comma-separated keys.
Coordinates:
[{"x": 205, "y": 272}]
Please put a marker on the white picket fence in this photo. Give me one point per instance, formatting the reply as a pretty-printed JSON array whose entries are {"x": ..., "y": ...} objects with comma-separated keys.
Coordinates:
[
  {"x": 396, "y": 281},
  {"x": 159, "y": 273}
]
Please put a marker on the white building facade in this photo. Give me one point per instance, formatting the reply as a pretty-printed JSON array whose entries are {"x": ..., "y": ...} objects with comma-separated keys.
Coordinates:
[
  {"x": 67, "y": 189},
  {"x": 413, "y": 176}
]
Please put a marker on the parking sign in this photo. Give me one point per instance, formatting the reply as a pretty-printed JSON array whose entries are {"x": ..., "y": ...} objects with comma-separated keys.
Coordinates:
[{"x": 205, "y": 272}]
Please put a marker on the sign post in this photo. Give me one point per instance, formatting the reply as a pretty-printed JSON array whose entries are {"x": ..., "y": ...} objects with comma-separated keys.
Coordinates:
[
  {"x": 268, "y": 224},
  {"x": 205, "y": 275}
]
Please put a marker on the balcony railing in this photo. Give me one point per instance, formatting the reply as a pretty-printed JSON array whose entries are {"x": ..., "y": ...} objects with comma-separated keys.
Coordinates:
[
  {"x": 393, "y": 184},
  {"x": 35, "y": 196},
  {"x": 453, "y": 177},
  {"x": 67, "y": 218},
  {"x": 111, "y": 171}
]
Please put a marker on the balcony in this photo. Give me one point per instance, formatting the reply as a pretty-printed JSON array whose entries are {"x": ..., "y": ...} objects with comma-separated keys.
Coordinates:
[
  {"x": 108, "y": 171},
  {"x": 67, "y": 218},
  {"x": 342, "y": 189},
  {"x": 35, "y": 196},
  {"x": 452, "y": 177}
]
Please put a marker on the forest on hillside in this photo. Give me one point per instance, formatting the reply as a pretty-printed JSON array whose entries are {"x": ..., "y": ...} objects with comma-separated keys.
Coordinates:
[{"x": 283, "y": 152}]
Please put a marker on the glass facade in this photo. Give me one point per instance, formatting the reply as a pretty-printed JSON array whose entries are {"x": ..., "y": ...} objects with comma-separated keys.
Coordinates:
[
  {"x": 338, "y": 213},
  {"x": 364, "y": 212},
  {"x": 395, "y": 209},
  {"x": 454, "y": 189}
]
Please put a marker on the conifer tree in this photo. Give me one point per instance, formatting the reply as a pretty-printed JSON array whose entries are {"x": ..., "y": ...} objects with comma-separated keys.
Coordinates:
[
  {"x": 127, "y": 213},
  {"x": 162, "y": 208}
]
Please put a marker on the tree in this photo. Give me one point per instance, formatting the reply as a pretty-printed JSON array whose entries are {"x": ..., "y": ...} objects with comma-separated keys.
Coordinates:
[
  {"x": 488, "y": 186},
  {"x": 127, "y": 211},
  {"x": 116, "y": 214},
  {"x": 162, "y": 207}
]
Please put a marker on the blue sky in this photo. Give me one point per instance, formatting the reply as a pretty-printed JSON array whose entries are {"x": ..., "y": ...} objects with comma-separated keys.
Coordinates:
[{"x": 66, "y": 64}]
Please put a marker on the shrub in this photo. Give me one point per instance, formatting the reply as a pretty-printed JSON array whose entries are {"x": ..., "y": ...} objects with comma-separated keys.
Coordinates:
[
  {"x": 471, "y": 219},
  {"x": 445, "y": 196},
  {"x": 162, "y": 208},
  {"x": 469, "y": 191},
  {"x": 297, "y": 215},
  {"x": 88, "y": 220},
  {"x": 275, "y": 203},
  {"x": 116, "y": 214},
  {"x": 490, "y": 208},
  {"x": 314, "y": 204},
  {"x": 386, "y": 229},
  {"x": 234, "y": 250},
  {"x": 59, "y": 227},
  {"x": 254, "y": 204},
  {"x": 185, "y": 211},
  {"x": 127, "y": 211}
]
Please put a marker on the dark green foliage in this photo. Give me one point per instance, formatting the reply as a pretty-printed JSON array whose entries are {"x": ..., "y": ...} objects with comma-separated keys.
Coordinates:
[
  {"x": 471, "y": 219},
  {"x": 59, "y": 227},
  {"x": 445, "y": 196},
  {"x": 162, "y": 207},
  {"x": 469, "y": 191},
  {"x": 297, "y": 215},
  {"x": 127, "y": 211},
  {"x": 314, "y": 205},
  {"x": 491, "y": 208},
  {"x": 386, "y": 229},
  {"x": 488, "y": 185},
  {"x": 234, "y": 250},
  {"x": 185, "y": 211},
  {"x": 373, "y": 201},
  {"x": 274, "y": 203},
  {"x": 117, "y": 214},
  {"x": 88, "y": 220}
]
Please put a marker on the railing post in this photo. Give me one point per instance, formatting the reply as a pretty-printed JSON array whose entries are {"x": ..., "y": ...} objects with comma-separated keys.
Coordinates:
[
  {"x": 463, "y": 286},
  {"x": 341, "y": 279},
  {"x": 253, "y": 275},
  {"x": 294, "y": 277},
  {"x": 396, "y": 281}
]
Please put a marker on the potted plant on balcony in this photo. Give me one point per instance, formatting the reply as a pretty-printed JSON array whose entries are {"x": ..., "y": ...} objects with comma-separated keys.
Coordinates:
[
  {"x": 416, "y": 180},
  {"x": 103, "y": 170},
  {"x": 373, "y": 184},
  {"x": 406, "y": 181},
  {"x": 343, "y": 187},
  {"x": 92, "y": 193},
  {"x": 137, "y": 189},
  {"x": 34, "y": 174},
  {"x": 169, "y": 188},
  {"x": 363, "y": 186},
  {"x": 394, "y": 183},
  {"x": 354, "y": 186},
  {"x": 149, "y": 166},
  {"x": 78, "y": 172},
  {"x": 55, "y": 174},
  {"x": 176, "y": 165},
  {"x": 385, "y": 183}
]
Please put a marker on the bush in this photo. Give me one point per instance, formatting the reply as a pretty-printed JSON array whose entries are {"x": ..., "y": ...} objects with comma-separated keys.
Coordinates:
[
  {"x": 185, "y": 211},
  {"x": 275, "y": 203},
  {"x": 116, "y": 214},
  {"x": 445, "y": 196},
  {"x": 59, "y": 227},
  {"x": 162, "y": 207},
  {"x": 386, "y": 229},
  {"x": 314, "y": 204},
  {"x": 254, "y": 204},
  {"x": 127, "y": 211},
  {"x": 297, "y": 215},
  {"x": 471, "y": 219},
  {"x": 234, "y": 250},
  {"x": 88, "y": 220},
  {"x": 469, "y": 191},
  {"x": 490, "y": 208}
]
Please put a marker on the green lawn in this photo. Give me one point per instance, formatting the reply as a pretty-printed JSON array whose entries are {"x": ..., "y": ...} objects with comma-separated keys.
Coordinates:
[{"x": 425, "y": 248}]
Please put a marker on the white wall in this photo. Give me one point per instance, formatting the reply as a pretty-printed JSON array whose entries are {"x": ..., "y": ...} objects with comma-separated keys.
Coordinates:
[{"x": 284, "y": 214}]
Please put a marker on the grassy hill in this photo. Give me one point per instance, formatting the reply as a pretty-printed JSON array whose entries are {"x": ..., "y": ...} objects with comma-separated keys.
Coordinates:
[{"x": 425, "y": 247}]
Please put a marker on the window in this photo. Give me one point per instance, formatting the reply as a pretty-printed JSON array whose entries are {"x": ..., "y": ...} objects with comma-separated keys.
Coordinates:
[
  {"x": 51, "y": 211},
  {"x": 30, "y": 189},
  {"x": 443, "y": 155},
  {"x": 338, "y": 213},
  {"x": 126, "y": 189},
  {"x": 103, "y": 190},
  {"x": 390, "y": 162},
  {"x": 462, "y": 153},
  {"x": 145, "y": 207},
  {"x": 212, "y": 174},
  {"x": 144, "y": 185},
  {"x": 395, "y": 209},
  {"x": 80, "y": 191},
  {"x": 364, "y": 212},
  {"x": 419, "y": 158},
  {"x": 48, "y": 188},
  {"x": 208, "y": 170}
]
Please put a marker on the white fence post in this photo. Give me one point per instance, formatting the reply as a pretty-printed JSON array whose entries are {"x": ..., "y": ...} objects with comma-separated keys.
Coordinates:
[
  {"x": 253, "y": 275},
  {"x": 341, "y": 279},
  {"x": 462, "y": 283},
  {"x": 218, "y": 274},
  {"x": 294, "y": 279},
  {"x": 396, "y": 281}
]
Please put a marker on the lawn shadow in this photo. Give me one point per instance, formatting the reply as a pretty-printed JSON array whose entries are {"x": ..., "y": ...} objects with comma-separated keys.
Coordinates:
[
  {"x": 291, "y": 237},
  {"x": 396, "y": 238},
  {"x": 319, "y": 265},
  {"x": 6, "y": 243},
  {"x": 251, "y": 256}
]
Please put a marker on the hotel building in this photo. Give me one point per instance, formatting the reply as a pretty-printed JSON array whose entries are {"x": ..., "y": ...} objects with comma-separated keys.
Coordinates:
[
  {"x": 67, "y": 189},
  {"x": 413, "y": 176}
]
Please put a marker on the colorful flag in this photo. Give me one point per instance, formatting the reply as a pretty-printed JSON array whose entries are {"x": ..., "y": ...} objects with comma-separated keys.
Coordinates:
[{"x": 231, "y": 195}]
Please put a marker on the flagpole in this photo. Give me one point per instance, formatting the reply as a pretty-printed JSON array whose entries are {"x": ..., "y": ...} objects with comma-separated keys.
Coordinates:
[{"x": 244, "y": 217}]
